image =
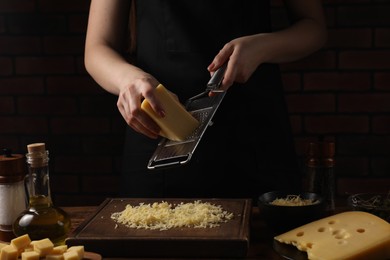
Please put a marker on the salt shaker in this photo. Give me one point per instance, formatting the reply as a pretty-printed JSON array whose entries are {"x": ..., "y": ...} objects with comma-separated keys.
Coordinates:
[{"x": 13, "y": 199}]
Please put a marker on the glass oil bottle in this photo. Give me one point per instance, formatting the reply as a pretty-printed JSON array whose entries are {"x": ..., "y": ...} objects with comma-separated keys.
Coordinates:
[{"x": 41, "y": 219}]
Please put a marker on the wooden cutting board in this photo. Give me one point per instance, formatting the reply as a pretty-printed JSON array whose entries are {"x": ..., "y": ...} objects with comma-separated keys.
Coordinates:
[{"x": 103, "y": 235}]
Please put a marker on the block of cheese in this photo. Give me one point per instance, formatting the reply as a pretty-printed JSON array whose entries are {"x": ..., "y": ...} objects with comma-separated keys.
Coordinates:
[
  {"x": 349, "y": 235},
  {"x": 8, "y": 252},
  {"x": 59, "y": 249},
  {"x": 30, "y": 255},
  {"x": 71, "y": 255},
  {"x": 178, "y": 123},
  {"x": 21, "y": 242},
  {"x": 43, "y": 246},
  {"x": 78, "y": 249}
]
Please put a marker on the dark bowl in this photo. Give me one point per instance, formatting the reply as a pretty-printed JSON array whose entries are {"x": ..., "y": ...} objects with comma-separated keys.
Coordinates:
[
  {"x": 282, "y": 218},
  {"x": 375, "y": 203}
]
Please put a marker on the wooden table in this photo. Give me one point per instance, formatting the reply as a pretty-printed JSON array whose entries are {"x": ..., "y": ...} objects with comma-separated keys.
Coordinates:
[{"x": 261, "y": 238}]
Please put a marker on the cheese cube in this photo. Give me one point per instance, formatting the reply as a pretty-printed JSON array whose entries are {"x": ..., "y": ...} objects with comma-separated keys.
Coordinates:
[
  {"x": 21, "y": 242},
  {"x": 348, "y": 235},
  {"x": 8, "y": 252},
  {"x": 43, "y": 246},
  {"x": 71, "y": 255},
  {"x": 2, "y": 245},
  {"x": 178, "y": 123},
  {"x": 78, "y": 249},
  {"x": 54, "y": 257},
  {"x": 30, "y": 255},
  {"x": 59, "y": 249}
]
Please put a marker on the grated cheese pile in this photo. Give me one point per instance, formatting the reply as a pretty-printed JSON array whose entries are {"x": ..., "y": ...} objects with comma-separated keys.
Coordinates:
[
  {"x": 164, "y": 216},
  {"x": 293, "y": 200}
]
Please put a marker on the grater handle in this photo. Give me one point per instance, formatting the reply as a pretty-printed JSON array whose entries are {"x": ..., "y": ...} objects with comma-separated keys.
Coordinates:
[{"x": 216, "y": 79}]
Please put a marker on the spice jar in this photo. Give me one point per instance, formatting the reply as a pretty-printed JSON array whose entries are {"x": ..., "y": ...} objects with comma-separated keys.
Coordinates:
[
  {"x": 12, "y": 191},
  {"x": 41, "y": 219}
]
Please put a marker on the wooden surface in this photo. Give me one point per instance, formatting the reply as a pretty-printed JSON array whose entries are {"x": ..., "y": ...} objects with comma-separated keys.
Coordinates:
[
  {"x": 261, "y": 238},
  {"x": 99, "y": 233}
]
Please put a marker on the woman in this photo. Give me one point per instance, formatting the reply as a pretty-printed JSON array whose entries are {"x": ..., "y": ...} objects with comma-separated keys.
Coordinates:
[{"x": 180, "y": 44}]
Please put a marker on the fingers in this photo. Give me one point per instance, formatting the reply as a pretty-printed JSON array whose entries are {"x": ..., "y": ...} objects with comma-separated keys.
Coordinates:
[{"x": 129, "y": 105}]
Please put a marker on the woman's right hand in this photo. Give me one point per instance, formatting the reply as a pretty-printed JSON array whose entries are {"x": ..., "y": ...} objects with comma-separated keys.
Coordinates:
[{"x": 129, "y": 102}]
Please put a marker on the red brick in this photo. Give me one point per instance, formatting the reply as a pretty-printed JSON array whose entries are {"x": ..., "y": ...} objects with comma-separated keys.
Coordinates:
[
  {"x": 78, "y": 23},
  {"x": 2, "y": 24},
  {"x": 382, "y": 37},
  {"x": 296, "y": 124},
  {"x": 66, "y": 44},
  {"x": 37, "y": 23},
  {"x": 342, "y": 81},
  {"x": 7, "y": 105},
  {"x": 381, "y": 167},
  {"x": 349, "y": 38},
  {"x": 63, "y": 182},
  {"x": 291, "y": 82},
  {"x": 19, "y": 6},
  {"x": 363, "y": 15},
  {"x": 63, "y": 6},
  {"x": 348, "y": 186},
  {"x": 99, "y": 106},
  {"x": 23, "y": 125},
  {"x": 21, "y": 86},
  {"x": 76, "y": 85},
  {"x": 47, "y": 105},
  {"x": 381, "y": 125},
  {"x": 356, "y": 166},
  {"x": 311, "y": 103},
  {"x": 340, "y": 124},
  {"x": 10, "y": 142},
  {"x": 100, "y": 184},
  {"x": 18, "y": 45},
  {"x": 79, "y": 164},
  {"x": 318, "y": 60},
  {"x": 44, "y": 65},
  {"x": 365, "y": 59},
  {"x": 365, "y": 102},
  {"x": 5, "y": 66},
  {"x": 382, "y": 81},
  {"x": 80, "y": 125}
]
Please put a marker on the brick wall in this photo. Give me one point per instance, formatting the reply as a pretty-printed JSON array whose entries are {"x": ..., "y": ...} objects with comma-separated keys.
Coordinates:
[{"x": 340, "y": 93}]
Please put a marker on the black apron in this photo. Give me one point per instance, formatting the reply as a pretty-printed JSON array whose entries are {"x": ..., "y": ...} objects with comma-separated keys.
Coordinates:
[{"x": 249, "y": 149}]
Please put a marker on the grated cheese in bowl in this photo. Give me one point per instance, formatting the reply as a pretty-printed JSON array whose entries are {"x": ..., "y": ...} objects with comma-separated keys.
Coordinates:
[{"x": 164, "y": 216}]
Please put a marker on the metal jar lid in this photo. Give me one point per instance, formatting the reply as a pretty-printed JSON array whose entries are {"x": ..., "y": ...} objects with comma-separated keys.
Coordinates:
[{"x": 12, "y": 167}]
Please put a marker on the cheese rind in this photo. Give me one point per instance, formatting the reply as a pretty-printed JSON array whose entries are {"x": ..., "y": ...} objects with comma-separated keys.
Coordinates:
[
  {"x": 349, "y": 235},
  {"x": 178, "y": 123}
]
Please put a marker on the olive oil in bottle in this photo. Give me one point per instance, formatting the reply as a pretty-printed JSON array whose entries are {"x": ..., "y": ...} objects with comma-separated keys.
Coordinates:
[{"x": 41, "y": 219}]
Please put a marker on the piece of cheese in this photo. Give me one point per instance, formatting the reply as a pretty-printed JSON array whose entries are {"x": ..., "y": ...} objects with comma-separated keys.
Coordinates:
[
  {"x": 43, "y": 246},
  {"x": 59, "y": 249},
  {"x": 21, "y": 242},
  {"x": 178, "y": 123},
  {"x": 78, "y": 249},
  {"x": 8, "y": 252},
  {"x": 71, "y": 255},
  {"x": 349, "y": 235},
  {"x": 30, "y": 255}
]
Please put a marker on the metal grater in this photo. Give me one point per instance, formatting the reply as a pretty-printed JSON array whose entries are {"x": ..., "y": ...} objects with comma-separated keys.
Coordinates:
[{"x": 175, "y": 153}]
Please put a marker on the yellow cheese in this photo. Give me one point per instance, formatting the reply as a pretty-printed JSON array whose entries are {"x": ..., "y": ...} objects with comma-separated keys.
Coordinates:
[
  {"x": 71, "y": 255},
  {"x": 43, "y": 246},
  {"x": 21, "y": 242},
  {"x": 30, "y": 255},
  {"x": 178, "y": 123},
  {"x": 54, "y": 257},
  {"x": 78, "y": 249},
  {"x": 59, "y": 250},
  {"x": 8, "y": 252},
  {"x": 350, "y": 235}
]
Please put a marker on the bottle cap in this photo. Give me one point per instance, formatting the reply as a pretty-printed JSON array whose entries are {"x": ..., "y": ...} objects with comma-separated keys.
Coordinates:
[{"x": 12, "y": 167}]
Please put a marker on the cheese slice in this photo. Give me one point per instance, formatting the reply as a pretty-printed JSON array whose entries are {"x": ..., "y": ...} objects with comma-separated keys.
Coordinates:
[
  {"x": 178, "y": 123},
  {"x": 349, "y": 235}
]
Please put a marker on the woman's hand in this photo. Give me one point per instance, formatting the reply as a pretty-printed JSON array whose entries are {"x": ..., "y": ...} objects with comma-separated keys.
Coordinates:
[{"x": 306, "y": 34}]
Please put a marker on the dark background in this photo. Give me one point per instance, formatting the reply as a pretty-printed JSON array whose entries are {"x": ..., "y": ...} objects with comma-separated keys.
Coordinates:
[{"x": 340, "y": 93}]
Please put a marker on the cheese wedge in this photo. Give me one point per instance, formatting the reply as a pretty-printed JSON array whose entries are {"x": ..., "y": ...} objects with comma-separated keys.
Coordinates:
[
  {"x": 178, "y": 123},
  {"x": 349, "y": 235}
]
